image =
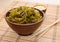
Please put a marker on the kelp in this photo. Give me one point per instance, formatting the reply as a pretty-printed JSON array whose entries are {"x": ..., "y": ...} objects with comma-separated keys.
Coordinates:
[{"x": 24, "y": 15}]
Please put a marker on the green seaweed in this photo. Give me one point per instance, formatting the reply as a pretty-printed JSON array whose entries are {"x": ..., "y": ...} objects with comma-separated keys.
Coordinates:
[{"x": 24, "y": 15}]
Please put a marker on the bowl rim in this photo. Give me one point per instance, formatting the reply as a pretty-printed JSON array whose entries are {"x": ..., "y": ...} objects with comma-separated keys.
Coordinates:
[{"x": 28, "y": 23}]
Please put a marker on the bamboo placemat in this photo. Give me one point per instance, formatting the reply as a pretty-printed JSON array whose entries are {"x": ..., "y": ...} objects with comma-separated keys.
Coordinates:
[{"x": 51, "y": 35}]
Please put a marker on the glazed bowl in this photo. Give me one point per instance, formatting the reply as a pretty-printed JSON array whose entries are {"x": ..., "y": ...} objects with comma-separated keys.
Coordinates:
[{"x": 25, "y": 29}]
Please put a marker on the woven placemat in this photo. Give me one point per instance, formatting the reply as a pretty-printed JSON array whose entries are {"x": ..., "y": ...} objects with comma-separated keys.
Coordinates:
[{"x": 51, "y": 35}]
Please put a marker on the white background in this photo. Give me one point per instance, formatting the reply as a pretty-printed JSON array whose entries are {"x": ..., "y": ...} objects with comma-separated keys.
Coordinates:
[{"x": 4, "y": 3}]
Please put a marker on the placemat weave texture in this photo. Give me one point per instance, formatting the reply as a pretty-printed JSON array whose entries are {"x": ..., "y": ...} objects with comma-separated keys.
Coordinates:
[{"x": 51, "y": 15}]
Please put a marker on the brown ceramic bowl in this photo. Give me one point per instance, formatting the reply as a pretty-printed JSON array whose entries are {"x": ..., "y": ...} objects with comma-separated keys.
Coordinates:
[
  {"x": 24, "y": 29},
  {"x": 41, "y": 7}
]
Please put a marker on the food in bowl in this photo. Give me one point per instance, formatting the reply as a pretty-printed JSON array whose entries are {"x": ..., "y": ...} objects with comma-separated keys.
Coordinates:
[
  {"x": 24, "y": 20},
  {"x": 24, "y": 15}
]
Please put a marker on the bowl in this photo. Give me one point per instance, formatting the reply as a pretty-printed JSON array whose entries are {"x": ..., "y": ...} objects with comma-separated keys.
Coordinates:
[
  {"x": 25, "y": 29},
  {"x": 41, "y": 7}
]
